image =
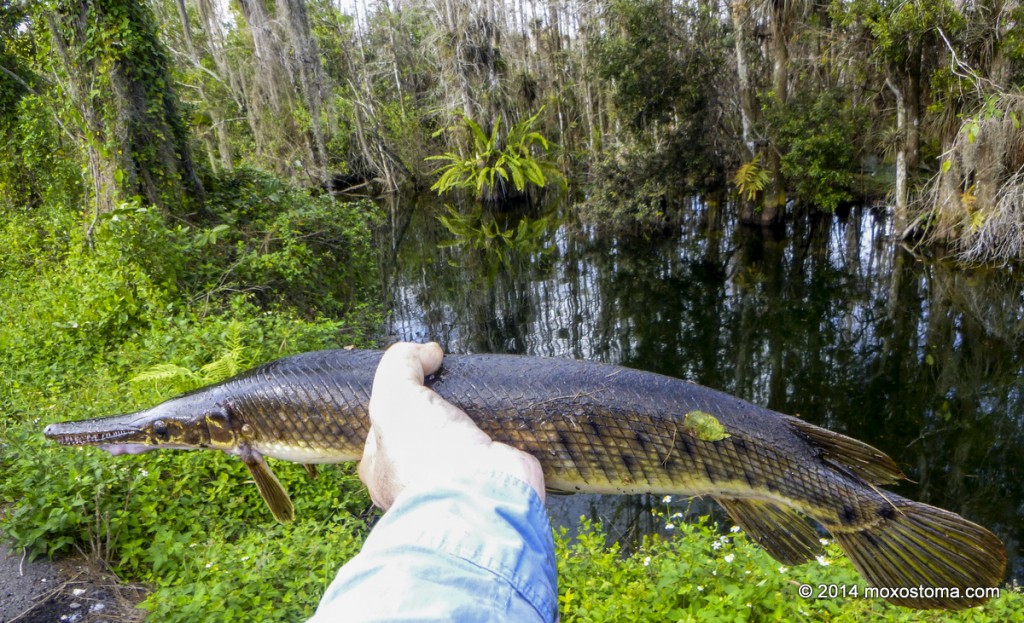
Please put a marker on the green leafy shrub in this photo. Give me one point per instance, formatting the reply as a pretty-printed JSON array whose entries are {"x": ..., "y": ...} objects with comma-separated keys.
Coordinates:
[
  {"x": 699, "y": 574},
  {"x": 267, "y": 271},
  {"x": 273, "y": 240},
  {"x": 816, "y": 132}
]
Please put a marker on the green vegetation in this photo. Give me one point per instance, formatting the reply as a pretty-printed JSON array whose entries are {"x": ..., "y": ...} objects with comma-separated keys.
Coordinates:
[
  {"x": 86, "y": 315},
  {"x": 699, "y": 574},
  {"x": 496, "y": 160},
  {"x": 164, "y": 224}
]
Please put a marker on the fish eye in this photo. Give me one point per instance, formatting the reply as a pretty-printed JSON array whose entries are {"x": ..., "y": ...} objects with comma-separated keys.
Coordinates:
[{"x": 160, "y": 428}]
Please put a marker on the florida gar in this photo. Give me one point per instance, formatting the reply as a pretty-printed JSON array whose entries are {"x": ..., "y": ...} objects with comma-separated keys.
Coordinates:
[{"x": 601, "y": 429}]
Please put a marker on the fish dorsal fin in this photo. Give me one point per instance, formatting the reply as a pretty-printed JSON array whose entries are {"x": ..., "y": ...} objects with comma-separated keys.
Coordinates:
[
  {"x": 781, "y": 531},
  {"x": 270, "y": 487},
  {"x": 848, "y": 454}
]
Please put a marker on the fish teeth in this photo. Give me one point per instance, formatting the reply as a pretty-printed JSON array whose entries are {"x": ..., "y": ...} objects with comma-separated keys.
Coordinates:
[{"x": 88, "y": 438}]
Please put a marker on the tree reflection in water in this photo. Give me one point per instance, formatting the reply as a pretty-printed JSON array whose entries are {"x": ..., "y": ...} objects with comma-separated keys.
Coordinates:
[{"x": 832, "y": 321}]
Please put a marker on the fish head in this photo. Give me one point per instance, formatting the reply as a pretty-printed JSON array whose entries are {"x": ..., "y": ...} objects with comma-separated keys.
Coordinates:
[{"x": 196, "y": 420}]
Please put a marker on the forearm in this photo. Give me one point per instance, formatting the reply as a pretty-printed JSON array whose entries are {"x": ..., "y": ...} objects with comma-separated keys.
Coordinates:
[{"x": 479, "y": 548}]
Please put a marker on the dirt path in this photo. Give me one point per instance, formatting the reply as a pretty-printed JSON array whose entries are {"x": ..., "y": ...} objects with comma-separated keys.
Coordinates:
[{"x": 72, "y": 591}]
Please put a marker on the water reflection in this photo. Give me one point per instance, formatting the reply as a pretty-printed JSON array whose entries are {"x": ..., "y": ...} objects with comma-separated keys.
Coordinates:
[{"x": 831, "y": 321}]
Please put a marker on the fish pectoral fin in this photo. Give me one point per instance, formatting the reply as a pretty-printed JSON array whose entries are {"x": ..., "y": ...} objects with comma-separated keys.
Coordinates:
[
  {"x": 848, "y": 454},
  {"x": 780, "y": 530},
  {"x": 269, "y": 486},
  {"x": 310, "y": 471}
]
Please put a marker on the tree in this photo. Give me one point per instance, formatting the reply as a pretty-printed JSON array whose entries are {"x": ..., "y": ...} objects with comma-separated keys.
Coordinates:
[
  {"x": 112, "y": 72},
  {"x": 903, "y": 39}
]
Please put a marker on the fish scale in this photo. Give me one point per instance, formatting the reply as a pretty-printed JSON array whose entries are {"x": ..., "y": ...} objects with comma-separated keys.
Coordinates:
[{"x": 595, "y": 428}]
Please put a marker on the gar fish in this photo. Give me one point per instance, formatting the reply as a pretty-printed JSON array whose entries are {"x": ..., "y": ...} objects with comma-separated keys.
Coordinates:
[{"x": 602, "y": 429}]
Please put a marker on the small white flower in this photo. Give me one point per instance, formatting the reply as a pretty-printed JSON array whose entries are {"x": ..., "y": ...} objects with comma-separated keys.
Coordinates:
[
  {"x": 677, "y": 515},
  {"x": 734, "y": 529},
  {"x": 209, "y": 564},
  {"x": 824, "y": 541},
  {"x": 783, "y": 569},
  {"x": 716, "y": 545},
  {"x": 723, "y": 539},
  {"x": 729, "y": 557},
  {"x": 714, "y": 572},
  {"x": 647, "y": 561},
  {"x": 667, "y": 499},
  {"x": 670, "y": 526},
  {"x": 824, "y": 562},
  {"x": 244, "y": 558},
  {"x": 700, "y": 588}
]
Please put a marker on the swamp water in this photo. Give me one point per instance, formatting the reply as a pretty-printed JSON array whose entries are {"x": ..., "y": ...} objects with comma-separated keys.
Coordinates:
[{"x": 831, "y": 321}]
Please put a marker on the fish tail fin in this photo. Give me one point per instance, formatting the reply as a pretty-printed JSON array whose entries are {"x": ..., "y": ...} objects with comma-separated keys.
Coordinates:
[{"x": 924, "y": 557}]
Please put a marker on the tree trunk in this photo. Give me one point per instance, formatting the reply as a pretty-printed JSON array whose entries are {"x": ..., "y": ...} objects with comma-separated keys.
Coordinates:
[
  {"x": 311, "y": 76},
  {"x": 775, "y": 197},
  {"x": 219, "y": 152},
  {"x": 738, "y": 11},
  {"x": 116, "y": 74},
  {"x": 902, "y": 193},
  {"x": 912, "y": 97}
]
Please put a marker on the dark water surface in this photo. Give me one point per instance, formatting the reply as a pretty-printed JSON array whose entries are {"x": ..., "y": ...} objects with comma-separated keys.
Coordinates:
[{"x": 831, "y": 321}]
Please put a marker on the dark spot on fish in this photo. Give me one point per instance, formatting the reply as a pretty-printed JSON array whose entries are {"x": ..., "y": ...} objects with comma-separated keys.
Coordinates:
[
  {"x": 685, "y": 444},
  {"x": 568, "y": 444},
  {"x": 594, "y": 428},
  {"x": 848, "y": 515},
  {"x": 750, "y": 477},
  {"x": 886, "y": 512},
  {"x": 641, "y": 441},
  {"x": 629, "y": 462},
  {"x": 739, "y": 444},
  {"x": 710, "y": 471}
]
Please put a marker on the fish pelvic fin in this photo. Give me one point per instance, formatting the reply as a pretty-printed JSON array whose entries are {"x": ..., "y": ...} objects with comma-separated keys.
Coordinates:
[
  {"x": 849, "y": 455},
  {"x": 270, "y": 487},
  {"x": 780, "y": 530},
  {"x": 933, "y": 556}
]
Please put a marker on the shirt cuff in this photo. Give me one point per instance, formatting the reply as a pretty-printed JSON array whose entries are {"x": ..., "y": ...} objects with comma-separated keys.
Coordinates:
[{"x": 480, "y": 548}]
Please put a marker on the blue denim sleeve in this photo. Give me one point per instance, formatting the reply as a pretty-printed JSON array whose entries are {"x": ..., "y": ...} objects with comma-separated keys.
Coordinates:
[{"x": 479, "y": 549}]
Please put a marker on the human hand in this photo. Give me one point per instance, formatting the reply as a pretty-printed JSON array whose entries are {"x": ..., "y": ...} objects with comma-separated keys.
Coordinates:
[{"x": 419, "y": 439}]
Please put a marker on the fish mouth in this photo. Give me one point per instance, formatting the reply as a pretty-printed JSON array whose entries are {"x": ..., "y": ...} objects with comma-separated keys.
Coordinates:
[{"x": 91, "y": 438}]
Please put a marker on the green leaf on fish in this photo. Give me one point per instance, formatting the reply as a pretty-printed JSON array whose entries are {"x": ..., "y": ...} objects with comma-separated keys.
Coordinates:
[{"x": 704, "y": 426}]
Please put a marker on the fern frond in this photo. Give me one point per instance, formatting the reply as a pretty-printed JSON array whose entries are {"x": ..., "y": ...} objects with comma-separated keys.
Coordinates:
[{"x": 163, "y": 372}]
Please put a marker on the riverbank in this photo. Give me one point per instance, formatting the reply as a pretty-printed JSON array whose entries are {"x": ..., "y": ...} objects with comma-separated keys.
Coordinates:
[{"x": 70, "y": 591}]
